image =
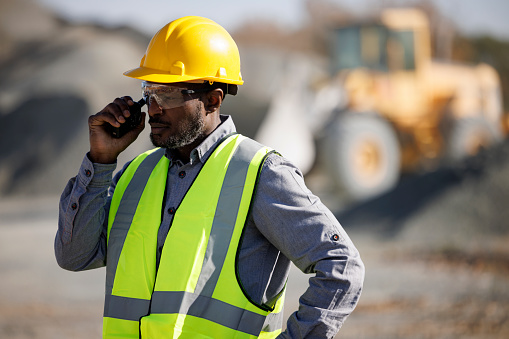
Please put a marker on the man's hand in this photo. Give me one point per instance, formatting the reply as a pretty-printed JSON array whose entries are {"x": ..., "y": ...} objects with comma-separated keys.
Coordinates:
[{"x": 104, "y": 147}]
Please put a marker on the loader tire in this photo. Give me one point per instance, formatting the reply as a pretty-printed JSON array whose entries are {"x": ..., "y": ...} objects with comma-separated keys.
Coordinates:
[
  {"x": 469, "y": 136},
  {"x": 362, "y": 155}
]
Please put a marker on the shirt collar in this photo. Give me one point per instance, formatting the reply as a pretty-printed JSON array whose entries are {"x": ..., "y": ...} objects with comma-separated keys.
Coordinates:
[{"x": 203, "y": 150}]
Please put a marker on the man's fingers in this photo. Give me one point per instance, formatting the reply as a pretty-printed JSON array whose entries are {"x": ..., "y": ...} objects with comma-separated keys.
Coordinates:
[
  {"x": 104, "y": 146},
  {"x": 123, "y": 104},
  {"x": 103, "y": 117},
  {"x": 116, "y": 112},
  {"x": 119, "y": 108},
  {"x": 128, "y": 99}
]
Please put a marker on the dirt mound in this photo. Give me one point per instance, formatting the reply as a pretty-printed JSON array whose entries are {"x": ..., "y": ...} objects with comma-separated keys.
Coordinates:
[
  {"x": 49, "y": 83},
  {"x": 33, "y": 136}
]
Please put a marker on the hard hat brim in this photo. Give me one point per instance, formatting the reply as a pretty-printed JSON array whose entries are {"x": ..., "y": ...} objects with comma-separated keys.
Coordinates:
[{"x": 153, "y": 75}]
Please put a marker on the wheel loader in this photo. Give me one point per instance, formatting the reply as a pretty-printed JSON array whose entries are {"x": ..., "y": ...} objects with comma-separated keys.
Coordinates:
[{"x": 382, "y": 106}]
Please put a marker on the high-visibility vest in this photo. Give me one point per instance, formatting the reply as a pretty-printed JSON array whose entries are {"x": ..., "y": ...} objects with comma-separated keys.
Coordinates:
[{"x": 195, "y": 291}]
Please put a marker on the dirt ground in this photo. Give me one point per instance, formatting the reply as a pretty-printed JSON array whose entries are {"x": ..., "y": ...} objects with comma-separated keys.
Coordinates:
[{"x": 435, "y": 249}]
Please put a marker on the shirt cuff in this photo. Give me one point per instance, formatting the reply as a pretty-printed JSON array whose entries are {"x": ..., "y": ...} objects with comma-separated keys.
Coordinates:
[{"x": 94, "y": 174}]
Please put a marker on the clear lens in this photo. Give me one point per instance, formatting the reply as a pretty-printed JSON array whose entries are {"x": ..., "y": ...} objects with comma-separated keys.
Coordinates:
[{"x": 165, "y": 96}]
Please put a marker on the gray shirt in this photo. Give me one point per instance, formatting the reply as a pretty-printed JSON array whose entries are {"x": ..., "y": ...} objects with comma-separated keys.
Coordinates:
[{"x": 287, "y": 223}]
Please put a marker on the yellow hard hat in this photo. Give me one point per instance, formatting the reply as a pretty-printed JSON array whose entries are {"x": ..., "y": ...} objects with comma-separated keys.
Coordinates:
[{"x": 187, "y": 49}]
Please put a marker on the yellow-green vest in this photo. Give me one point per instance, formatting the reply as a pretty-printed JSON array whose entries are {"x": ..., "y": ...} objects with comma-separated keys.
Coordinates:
[{"x": 195, "y": 291}]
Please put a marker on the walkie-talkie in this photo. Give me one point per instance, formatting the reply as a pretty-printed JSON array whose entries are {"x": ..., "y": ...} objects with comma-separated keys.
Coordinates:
[{"x": 131, "y": 122}]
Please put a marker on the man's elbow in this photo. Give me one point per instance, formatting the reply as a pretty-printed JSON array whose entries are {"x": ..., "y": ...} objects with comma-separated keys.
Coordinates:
[
  {"x": 66, "y": 259},
  {"x": 356, "y": 272},
  {"x": 64, "y": 262}
]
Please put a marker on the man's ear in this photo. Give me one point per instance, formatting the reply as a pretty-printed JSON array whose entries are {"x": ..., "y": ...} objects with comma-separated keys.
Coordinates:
[{"x": 214, "y": 100}]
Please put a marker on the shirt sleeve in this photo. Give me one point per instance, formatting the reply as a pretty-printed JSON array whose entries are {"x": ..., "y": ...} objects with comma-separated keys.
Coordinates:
[
  {"x": 80, "y": 242},
  {"x": 297, "y": 223}
]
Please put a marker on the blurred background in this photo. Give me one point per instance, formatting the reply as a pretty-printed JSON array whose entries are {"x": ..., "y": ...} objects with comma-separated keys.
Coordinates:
[{"x": 396, "y": 112}]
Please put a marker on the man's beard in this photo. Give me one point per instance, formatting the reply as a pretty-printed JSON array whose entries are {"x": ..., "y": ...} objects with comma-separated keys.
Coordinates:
[{"x": 189, "y": 130}]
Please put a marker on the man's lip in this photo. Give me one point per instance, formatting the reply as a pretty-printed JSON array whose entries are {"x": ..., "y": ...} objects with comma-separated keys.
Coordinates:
[{"x": 158, "y": 126}]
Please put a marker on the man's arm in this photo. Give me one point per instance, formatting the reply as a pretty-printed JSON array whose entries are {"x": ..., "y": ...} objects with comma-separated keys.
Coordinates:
[
  {"x": 80, "y": 242},
  {"x": 297, "y": 223}
]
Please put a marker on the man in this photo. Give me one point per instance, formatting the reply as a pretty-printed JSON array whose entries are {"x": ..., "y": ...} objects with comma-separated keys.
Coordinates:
[{"x": 197, "y": 235}]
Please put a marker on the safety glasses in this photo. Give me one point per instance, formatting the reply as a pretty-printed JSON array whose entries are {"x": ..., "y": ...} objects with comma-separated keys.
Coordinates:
[{"x": 166, "y": 96}]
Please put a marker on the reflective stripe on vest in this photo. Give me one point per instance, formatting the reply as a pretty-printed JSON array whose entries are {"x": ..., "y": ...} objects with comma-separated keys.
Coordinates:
[{"x": 195, "y": 292}]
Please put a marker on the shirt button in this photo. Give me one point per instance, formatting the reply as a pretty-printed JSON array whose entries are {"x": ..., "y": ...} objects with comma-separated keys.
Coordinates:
[
  {"x": 88, "y": 173},
  {"x": 182, "y": 174},
  {"x": 171, "y": 210},
  {"x": 74, "y": 206}
]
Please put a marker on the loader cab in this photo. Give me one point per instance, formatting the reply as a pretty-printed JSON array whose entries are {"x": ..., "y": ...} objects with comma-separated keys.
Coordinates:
[
  {"x": 385, "y": 61},
  {"x": 373, "y": 47}
]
